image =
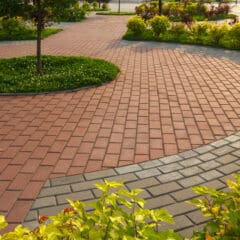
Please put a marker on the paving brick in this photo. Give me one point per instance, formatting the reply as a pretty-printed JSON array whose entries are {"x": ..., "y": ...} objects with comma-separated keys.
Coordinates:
[
  {"x": 84, "y": 195},
  {"x": 8, "y": 199},
  {"x": 191, "y": 181},
  {"x": 51, "y": 191},
  {"x": 229, "y": 168},
  {"x": 145, "y": 183},
  {"x": 151, "y": 164},
  {"x": 181, "y": 222},
  {"x": 100, "y": 174},
  {"x": 181, "y": 208},
  {"x": 67, "y": 180},
  {"x": 203, "y": 149},
  {"x": 168, "y": 177},
  {"x": 159, "y": 202},
  {"x": 44, "y": 202},
  {"x": 190, "y": 162},
  {"x": 31, "y": 216},
  {"x": 210, "y": 175},
  {"x": 81, "y": 186},
  {"x": 219, "y": 143},
  {"x": 19, "y": 211},
  {"x": 170, "y": 159},
  {"x": 233, "y": 138},
  {"x": 53, "y": 210},
  {"x": 129, "y": 177},
  {"x": 190, "y": 171},
  {"x": 170, "y": 167},
  {"x": 226, "y": 159},
  {"x": 148, "y": 173},
  {"x": 209, "y": 165},
  {"x": 188, "y": 154},
  {"x": 223, "y": 150},
  {"x": 164, "y": 188},
  {"x": 31, "y": 191},
  {"x": 197, "y": 217},
  {"x": 128, "y": 169},
  {"x": 207, "y": 156},
  {"x": 183, "y": 194}
]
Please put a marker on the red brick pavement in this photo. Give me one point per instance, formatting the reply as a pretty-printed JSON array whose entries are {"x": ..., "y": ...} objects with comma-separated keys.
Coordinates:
[{"x": 163, "y": 102}]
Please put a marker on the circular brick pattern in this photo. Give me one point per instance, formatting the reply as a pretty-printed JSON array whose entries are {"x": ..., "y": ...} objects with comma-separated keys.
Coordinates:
[{"x": 165, "y": 101}]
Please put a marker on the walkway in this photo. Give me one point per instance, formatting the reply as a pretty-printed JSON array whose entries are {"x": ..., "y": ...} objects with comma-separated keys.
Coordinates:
[{"x": 165, "y": 101}]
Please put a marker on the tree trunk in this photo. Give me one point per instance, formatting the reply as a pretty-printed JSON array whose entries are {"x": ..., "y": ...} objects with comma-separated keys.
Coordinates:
[
  {"x": 39, "y": 32},
  {"x": 160, "y": 7},
  {"x": 119, "y": 3}
]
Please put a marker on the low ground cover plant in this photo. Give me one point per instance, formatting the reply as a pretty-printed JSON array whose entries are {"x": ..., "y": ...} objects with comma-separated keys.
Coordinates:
[
  {"x": 160, "y": 28},
  {"x": 60, "y": 73},
  {"x": 120, "y": 214},
  {"x": 17, "y": 29}
]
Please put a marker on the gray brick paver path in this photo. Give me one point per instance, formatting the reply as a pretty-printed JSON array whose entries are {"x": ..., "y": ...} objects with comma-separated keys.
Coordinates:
[{"x": 170, "y": 191}]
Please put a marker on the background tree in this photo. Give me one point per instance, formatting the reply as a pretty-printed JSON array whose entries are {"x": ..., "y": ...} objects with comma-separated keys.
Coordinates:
[{"x": 39, "y": 11}]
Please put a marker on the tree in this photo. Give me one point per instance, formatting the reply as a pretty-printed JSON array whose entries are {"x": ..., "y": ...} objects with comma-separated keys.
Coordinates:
[{"x": 40, "y": 11}]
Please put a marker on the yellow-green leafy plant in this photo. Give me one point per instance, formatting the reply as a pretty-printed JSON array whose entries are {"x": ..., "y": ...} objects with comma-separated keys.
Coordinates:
[
  {"x": 117, "y": 214},
  {"x": 223, "y": 208},
  {"x": 137, "y": 25},
  {"x": 159, "y": 24}
]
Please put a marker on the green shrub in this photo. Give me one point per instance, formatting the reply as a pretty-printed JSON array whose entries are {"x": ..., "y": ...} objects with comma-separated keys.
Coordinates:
[
  {"x": 231, "y": 39},
  {"x": 159, "y": 24},
  {"x": 223, "y": 207},
  {"x": 137, "y": 25},
  {"x": 86, "y": 6},
  {"x": 105, "y": 6},
  {"x": 13, "y": 26},
  {"x": 74, "y": 13},
  {"x": 94, "y": 5},
  {"x": 117, "y": 214},
  {"x": 200, "y": 31}
]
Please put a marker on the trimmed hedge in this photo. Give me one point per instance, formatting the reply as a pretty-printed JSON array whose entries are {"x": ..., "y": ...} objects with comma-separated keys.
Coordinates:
[{"x": 205, "y": 33}]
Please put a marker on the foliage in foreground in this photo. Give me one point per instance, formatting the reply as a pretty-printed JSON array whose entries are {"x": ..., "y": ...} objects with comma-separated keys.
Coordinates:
[
  {"x": 224, "y": 210},
  {"x": 205, "y": 33},
  {"x": 120, "y": 214},
  {"x": 117, "y": 214},
  {"x": 18, "y": 74}
]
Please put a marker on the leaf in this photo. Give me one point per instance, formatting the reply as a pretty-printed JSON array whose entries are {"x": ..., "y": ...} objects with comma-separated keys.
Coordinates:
[
  {"x": 3, "y": 222},
  {"x": 208, "y": 237}
]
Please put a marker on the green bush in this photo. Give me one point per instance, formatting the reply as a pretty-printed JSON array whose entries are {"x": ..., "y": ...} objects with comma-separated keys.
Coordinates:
[
  {"x": 86, "y": 6},
  {"x": 223, "y": 207},
  {"x": 137, "y": 25},
  {"x": 59, "y": 73},
  {"x": 117, "y": 214},
  {"x": 94, "y": 5},
  {"x": 17, "y": 29},
  {"x": 105, "y": 6},
  {"x": 13, "y": 26},
  {"x": 74, "y": 13},
  {"x": 159, "y": 24}
]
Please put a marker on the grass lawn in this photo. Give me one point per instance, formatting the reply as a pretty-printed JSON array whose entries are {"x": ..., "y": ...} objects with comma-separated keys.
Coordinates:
[
  {"x": 60, "y": 73},
  {"x": 29, "y": 34}
]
